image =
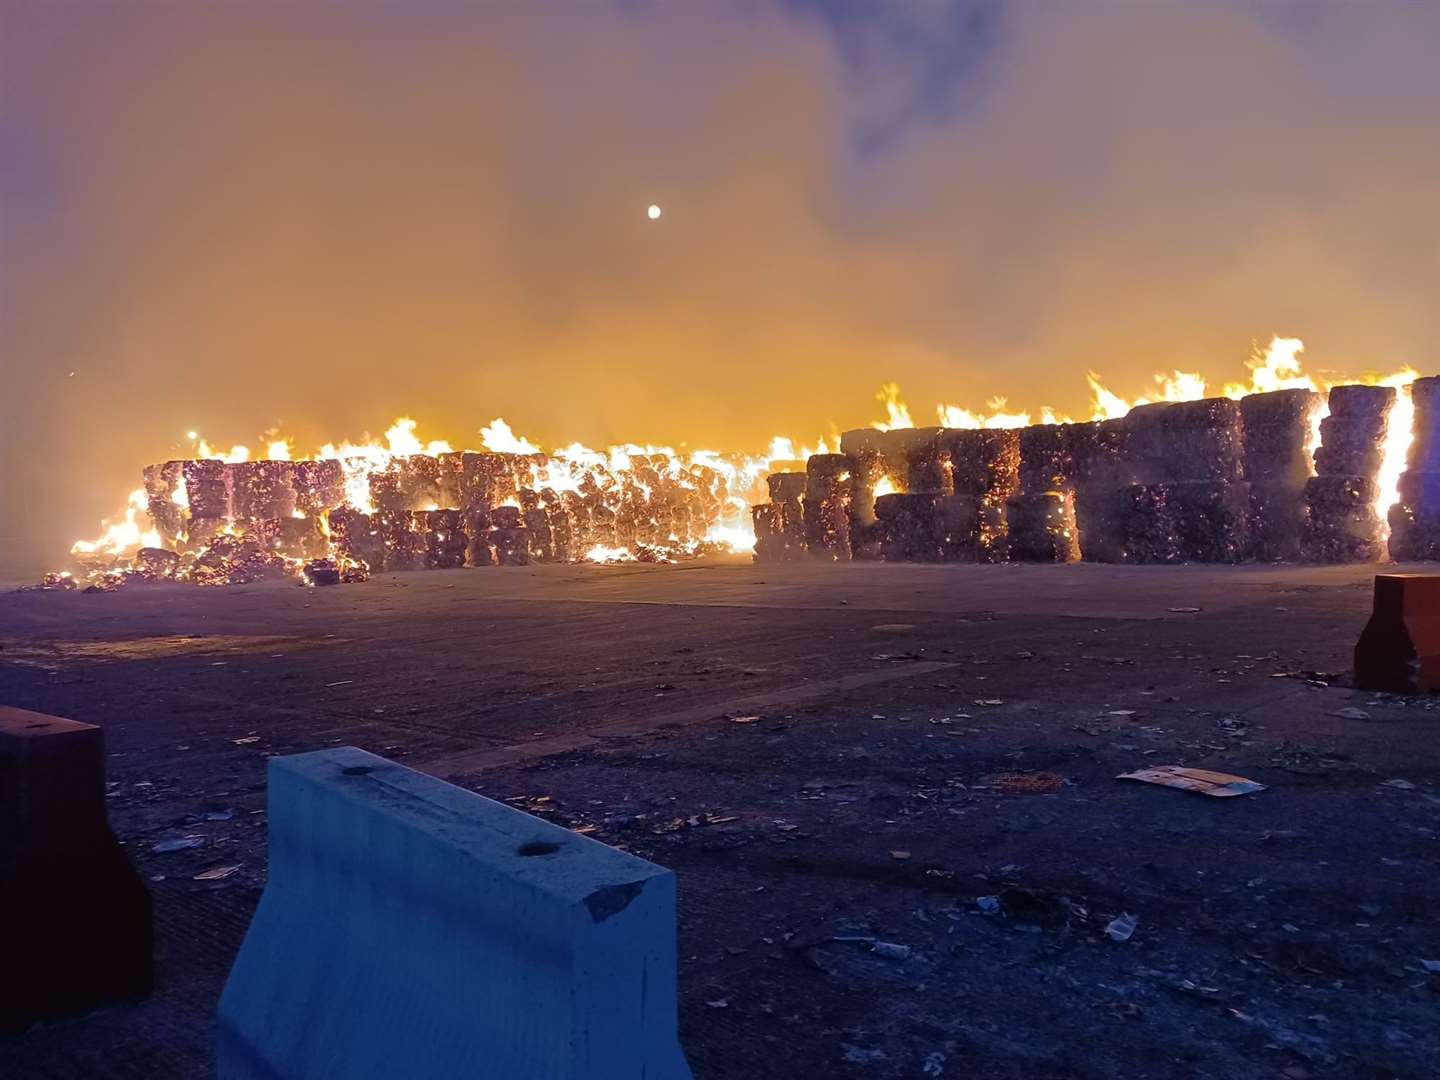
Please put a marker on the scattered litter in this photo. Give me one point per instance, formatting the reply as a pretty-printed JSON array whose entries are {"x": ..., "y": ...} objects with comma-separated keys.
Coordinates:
[
  {"x": 1403, "y": 785},
  {"x": 1290, "y": 928},
  {"x": 891, "y": 951},
  {"x": 1218, "y": 784},
  {"x": 743, "y": 719},
  {"x": 1233, "y": 725},
  {"x": 990, "y": 905},
  {"x": 1121, "y": 712},
  {"x": 899, "y": 856},
  {"x": 247, "y": 741},
  {"x": 989, "y": 701},
  {"x": 220, "y": 815},
  {"x": 342, "y": 682},
  {"x": 897, "y": 657},
  {"x": 934, "y": 1064},
  {"x": 216, "y": 873},
  {"x": 1028, "y": 783},
  {"x": 894, "y": 627},
  {"x": 1184, "y": 610},
  {"x": 1352, "y": 713},
  {"x": 181, "y": 844},
  {"x": 1432, "y": 966},
  {"x": 1121, "y": 927},
  {"x": 718, "y": 1003}
]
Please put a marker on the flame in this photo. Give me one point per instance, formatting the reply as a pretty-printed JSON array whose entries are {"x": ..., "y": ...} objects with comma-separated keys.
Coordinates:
[
  {"x": 897, "y": 415},
  {"x": 498, "y": 438},
  {"x": 279, "y": 450},
  {"x": 953, "y": 416},
  {"x": 602, "y": 554},
  {"x": 122, "y": 537},
  {"x": 1278, "y": 368},
  {"x": 1399, "y": 434},
  {"x": 884, "y": 486}
]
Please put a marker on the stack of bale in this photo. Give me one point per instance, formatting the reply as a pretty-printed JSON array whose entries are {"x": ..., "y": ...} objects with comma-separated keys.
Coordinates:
[
  {"x": 261, "y": 491},
  {"x": 1277, "y": 464},
  {"x": 401, "y": 533},
  {"x": 780, "y": 523},
  {"x": 356, "y": 538},
  {"x": 985, "y": 472},
  {"x": 910, "y": 526},
  {"x": 1344, "y": 525},
  {"x": 299, "y": 538},
  {"x": 207, "y": 490},
  {"x": 1102, "y": 470},
  {"x": 561, "y": 524},
  {"x": 1040, "y": 516},
  {"x": 167, "y": 513},
  {"x": 1415, "y": 518},
  {"x": 1192, "y": 504},
  {"x": 445, "y": 539},
  {"x": 319, "y": 486},
  {"x": 865, "y": 449},
  {"x": 826, "y": 509},
  {"x": 508, "y": 537},
  {"x": 419, "y": 479},
  {"x": 475, "y": 522}
]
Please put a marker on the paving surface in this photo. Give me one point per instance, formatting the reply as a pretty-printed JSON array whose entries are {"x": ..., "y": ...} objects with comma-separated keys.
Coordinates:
[{"x": 888, "y": 792}]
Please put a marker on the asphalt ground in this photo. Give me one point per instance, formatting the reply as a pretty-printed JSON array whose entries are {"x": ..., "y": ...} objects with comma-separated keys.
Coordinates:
[{"x": 888, "y": 792}]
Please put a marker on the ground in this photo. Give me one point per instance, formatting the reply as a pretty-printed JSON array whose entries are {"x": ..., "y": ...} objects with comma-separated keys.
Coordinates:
[{"x": 889, "y": 795}]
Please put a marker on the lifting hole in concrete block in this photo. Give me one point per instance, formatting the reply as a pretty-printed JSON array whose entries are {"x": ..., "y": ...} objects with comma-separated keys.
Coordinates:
[{"x": 412, "y": 928}]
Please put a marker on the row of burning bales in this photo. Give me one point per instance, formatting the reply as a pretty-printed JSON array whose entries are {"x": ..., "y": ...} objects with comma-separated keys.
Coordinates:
[
  {"x": 1216, "y": 480},
  {"x": 234, "y": 522}
]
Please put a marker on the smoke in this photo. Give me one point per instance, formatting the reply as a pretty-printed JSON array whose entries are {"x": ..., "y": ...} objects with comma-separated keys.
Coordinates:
[{"x": 229, "y": 218}]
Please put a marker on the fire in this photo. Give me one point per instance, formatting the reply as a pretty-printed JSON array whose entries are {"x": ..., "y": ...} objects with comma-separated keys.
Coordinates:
[
  {"x": 896, "y": 414},
  {"x": 884, "y": 486},
  {"x": 629, "y": 474},
  {"x": 123, "y": 536}
]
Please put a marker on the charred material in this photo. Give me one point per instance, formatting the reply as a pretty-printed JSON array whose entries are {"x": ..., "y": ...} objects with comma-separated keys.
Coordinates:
[
  {"x": 1277, "y": 463},
  {"x": 827, "y": 506},
  {"x": 1041, "y": 528}
]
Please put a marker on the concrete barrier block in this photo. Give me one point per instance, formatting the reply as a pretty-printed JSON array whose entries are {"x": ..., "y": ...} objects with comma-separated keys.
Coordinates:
[
  {"x": 412, "y": 928},
  {"x": 75, "y": 918},
  {"x": 1399, "y": 649}
]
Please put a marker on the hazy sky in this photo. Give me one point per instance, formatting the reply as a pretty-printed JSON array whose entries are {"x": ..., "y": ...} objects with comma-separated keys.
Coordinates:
[{"x": 323, "y": 215}]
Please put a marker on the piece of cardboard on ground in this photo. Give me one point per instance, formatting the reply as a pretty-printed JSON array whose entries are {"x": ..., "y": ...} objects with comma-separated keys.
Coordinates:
[{"x": 1219, "y": 784}]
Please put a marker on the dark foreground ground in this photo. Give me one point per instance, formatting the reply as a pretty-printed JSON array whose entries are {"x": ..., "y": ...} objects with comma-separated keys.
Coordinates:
[{"x": 828, "y": 757}]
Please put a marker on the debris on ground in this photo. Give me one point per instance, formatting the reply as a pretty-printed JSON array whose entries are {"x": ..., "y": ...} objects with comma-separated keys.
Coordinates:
[
  {"x": 1121, "y": 927},
  {"x": 1218, "y": 784}
]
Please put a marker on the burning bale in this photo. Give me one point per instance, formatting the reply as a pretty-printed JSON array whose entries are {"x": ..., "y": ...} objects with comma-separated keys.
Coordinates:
[
  {"x": 164, "y": 501},
  {"x": 1415, "y": 518},
  {"x": 261, "y": 490},
  {"x": 1195, "y": 521},
  {"x": 319, "y": 486},
  {"x": 827, "y": 506},
  {"x": 910, "y": 527},
  {"x": 928, "y": 466},
  {"x": 445, "y": 539},
  {"x": 1342, "y": 496},
  {"x": 1041, "y": 528},
  {"x": 1277, "y": 461},
  {"x": 985, "y": 469}
]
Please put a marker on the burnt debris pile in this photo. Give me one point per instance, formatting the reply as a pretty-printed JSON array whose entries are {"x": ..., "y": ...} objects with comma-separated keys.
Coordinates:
[{"x": 1285, "y": 475}]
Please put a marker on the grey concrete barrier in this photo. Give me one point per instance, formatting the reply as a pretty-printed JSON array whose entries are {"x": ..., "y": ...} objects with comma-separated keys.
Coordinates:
[{"x": 410, "y": 928}]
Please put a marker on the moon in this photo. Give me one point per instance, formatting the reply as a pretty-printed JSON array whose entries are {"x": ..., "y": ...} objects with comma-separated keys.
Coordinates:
[{"x": 653, "y": 213}]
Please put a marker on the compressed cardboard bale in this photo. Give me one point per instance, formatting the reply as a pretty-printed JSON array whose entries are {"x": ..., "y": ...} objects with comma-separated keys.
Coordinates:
[
  {"x": 319, "y": 486},
  {"x": 262, "y": 490},
  {"x": 1045, "y": 460},
  {"x": 1343, "y": 526},
  {"x": 826, "y": 506},
  {"x": 401, "y": 530},
  {"x": 477, "y": 525},
  {"x": 163, "y": 500},
  {"x": 512, "y": 546},
  {"x": 201, "y": 531},
  {"x": 1170, "y": 442},
  {"x": 928, "y": 468},
  {"x": 1279, "y": 518},
  {"x": 1211, "y": 519},
  {"x": 985, "y": 463},
  {"x": 487, "y": 479},
  {"x": 207, "y": 489},
  {"x": 419, "y": 481},
  {"x": 785, "y": 485},
  {"x": 769, "y": 524},
  {"x": 1041, "y": 528},
  {"x": 1277, "y": 428},
  {"x": 537, "y": 525},
  {"x": 507, "y": 517},
  {"x": 959, "y": 525},
  {"x": 299, "y": 538},
  {"x": 1100, "y": 520},
  {"x": 1414, "y": 534},
  {"x": 450, "y": 479},
  {"x": 445, "y": 539},
  {"x": 858, "y": 439},
  {"x": 357, "y": 538},
  {"x": 1424, "y": 453},
  {"x": 1149, "y": 525},
  {"x": 910, "y": 527},
  {"x": 1351, "y": 437}
]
